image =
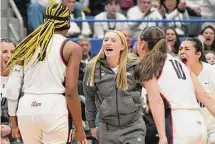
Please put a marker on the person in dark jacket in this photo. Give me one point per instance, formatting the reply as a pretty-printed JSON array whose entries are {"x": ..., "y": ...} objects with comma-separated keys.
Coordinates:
[{"x": 113, "y": 94}]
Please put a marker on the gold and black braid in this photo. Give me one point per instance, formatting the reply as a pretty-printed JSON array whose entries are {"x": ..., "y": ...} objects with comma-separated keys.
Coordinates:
[{"x": 56, "y": 18}]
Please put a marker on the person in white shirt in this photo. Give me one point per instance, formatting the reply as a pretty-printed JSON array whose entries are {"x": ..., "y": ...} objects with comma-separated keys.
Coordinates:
[
  {"x": 208, "y": 37},
  {"x": 143, "y": 11},
  {"x": 111, "y": 13},
  {"x": 172, "y": 91},
  {"x": 77, "y": 14},
  {"x": 208, "y": 11},
  {"x": 7, "y": 48},
  {"x": 47, "y": 63},
  {"x": 194, "y": 7},
  {"x": 174, "y": 9},
  {"x": 210, "y": 57},
  {"x": 191, "y": 53}
]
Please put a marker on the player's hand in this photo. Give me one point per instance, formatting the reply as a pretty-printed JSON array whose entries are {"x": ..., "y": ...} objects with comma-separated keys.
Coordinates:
[
  {"x": 15, "y": 132},
  {"x": 80, "y": 135},
  {"x": 84, "y": 141},
  {"x": 182, "y": 6},
  {"x": 93, "y": 132},
  {"x": 163, "y": 140}
]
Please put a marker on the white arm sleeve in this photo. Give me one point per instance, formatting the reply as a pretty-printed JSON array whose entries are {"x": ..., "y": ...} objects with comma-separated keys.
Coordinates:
[{"x": 13, "y": 88}]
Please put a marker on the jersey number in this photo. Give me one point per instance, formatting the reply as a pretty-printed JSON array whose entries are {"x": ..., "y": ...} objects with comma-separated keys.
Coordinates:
[{"x": 178, "y": 69}]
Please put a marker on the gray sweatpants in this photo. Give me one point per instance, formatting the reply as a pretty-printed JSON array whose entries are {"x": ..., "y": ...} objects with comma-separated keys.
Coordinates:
[{"x": 131, "y": 134}]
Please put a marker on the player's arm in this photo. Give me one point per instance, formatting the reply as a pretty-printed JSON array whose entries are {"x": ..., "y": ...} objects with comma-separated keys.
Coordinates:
[
  {"x": 72, "y": 54},
  {"x": 156, "y": 105},
  {"x": 14, "y": 88},
  {"x": 202, "y": 95}
]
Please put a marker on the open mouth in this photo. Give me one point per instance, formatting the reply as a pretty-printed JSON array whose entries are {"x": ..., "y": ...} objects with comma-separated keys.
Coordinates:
[
  {"x": 109, "y": 49},
  {"x": 184, "y": 60},
  {"x": 208, "y": 39},
  {"x": 169, "y": 40}
]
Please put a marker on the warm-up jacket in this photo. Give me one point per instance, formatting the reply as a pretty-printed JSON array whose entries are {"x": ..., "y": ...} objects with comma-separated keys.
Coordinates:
[{"x": 115, "y": 106}]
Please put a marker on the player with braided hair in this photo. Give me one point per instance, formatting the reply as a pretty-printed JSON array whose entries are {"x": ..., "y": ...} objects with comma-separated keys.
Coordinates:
[{"x": 42, "y": 61}]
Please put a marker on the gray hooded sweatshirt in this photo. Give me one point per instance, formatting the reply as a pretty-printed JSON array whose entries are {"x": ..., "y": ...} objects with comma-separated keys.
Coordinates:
[{"x": 115, "y": 106}]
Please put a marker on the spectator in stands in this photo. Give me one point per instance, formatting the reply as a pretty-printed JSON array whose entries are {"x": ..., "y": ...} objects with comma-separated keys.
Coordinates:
[
  {"x": 84, "y": 42},
  {"x": 208, "y": 10},
  {"x": 84, "y": 6},
  {"x": 125, "y": 5},
  {"x": 156, "y": 3},
  {"x": 173, "y": 41},
  {"x": 113, "y": 94},
  {"x": 209, "y": 37},
  {"x": 7, "y": 48},
  {"x": 174, "y": 9},
  {"x": 128, "y": 38},
  {"x": 191, "y": 52},
  {"x": 193, "y": 7},
  {"x": 210, "y": 57},
  {"x": 36, "y": 10},
  {"x": 142, "y": 11},
  {"x": 96, "y": 7},
  {"x": 76, "y": 29},
  {"x": 111, "y": 13}
]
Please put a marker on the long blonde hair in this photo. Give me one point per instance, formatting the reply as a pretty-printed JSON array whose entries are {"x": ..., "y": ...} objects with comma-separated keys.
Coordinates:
[
  {"x": 121, "y": 78},
  {"x": 57, "y": 17}
]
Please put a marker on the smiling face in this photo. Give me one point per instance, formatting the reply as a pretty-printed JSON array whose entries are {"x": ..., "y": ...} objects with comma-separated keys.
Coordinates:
[
  {"x": 7, "y": 50},
  {"x": 209, "y": 36},
  {"x": 112, "y": 45},
  {"x": 188, "y": 53},
  {"x": 171, "y": 36}
]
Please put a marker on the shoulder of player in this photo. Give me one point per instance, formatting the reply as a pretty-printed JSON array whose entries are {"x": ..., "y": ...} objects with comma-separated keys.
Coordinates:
[
  {"x": 208, "y": 67},
  {"x": 72, "y": 46}
]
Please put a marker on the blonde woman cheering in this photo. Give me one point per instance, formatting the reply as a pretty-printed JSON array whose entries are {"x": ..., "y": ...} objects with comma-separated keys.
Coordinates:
[{"x": 113, "y": 94}]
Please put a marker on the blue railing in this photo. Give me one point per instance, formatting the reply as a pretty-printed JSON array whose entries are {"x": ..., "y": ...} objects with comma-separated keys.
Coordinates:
[
  {"x": 96, "y": 43},
  {"x": 198, "y": 20}
]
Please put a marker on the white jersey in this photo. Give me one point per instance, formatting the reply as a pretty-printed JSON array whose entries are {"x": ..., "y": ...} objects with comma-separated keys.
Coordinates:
[
  {"x": 3, "y": 86},
  {"x": 47, "y": 76},
  {"x": 207, "y": 78},
  {"x": 176, "y": 86}
]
